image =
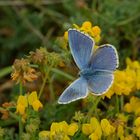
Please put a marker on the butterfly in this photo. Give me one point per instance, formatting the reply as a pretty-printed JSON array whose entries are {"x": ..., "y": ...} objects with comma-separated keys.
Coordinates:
[{"x": 96, "y": 67}]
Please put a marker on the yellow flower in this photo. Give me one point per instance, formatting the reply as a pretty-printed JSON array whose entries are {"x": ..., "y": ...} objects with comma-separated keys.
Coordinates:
[
  {"x": 20, "y": 109},
  {"x": 94, "y": 136},
  {"x": 137, "y": 122},
  {"x": 76, "y": 26},
  {"x": 44, "y": 134},
  {"x": 132, "y": 64},
  {"x": 21, "y": 105},
  {"x": 123, "y": 82},
  {"x": 93, "y": 31},
  {"x": 72, "y": 128},
  {"x": 129, "y": 137},
  {"x": 22, "y": 100},
  {"x": 133, "y": 106},
  {"x": 61, "y": 126},
  {"x": 62, "y": 130},
  {"x": 86, "y": 26},
  {"x": 109, "y": 93},
  {"x": 87, "y": 129},
  {"x": 98, "y": 132},
  {"x": 137, "y": 131},
  {"x": 135, "y": 67},
  {"x": 32, "y": 97},
  {"x": 128, "y": 108},
  {"x": 36, "y": 105},
  {"x": 96, "y": 47},
  {"x": 96, "y": 127},
  {"x": 66, "y": 138},
  {"x": 54, "y": 126},
  {"x": 93, "y": 129},
  {"x": 107, "y": 128},
  {"x": 33, "y": 101},
  {"x": 66, "y": 35},
  {"x": 138, "y": 80},
  {"x": 96, "y": 31},
  {"x": 52, "y": 135},
  {"x": 122, "y": 117},
  {"x": 97, "y": 38},
  {"x": 120, "y": 131},
  {"x": 94, "y": 122}
]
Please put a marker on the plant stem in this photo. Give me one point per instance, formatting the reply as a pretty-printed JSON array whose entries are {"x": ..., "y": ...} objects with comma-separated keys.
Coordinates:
[
  {"x": 117, "y": 104},
  {"x": 20, "y": 88},
  {"x": 122, "y": 102},
  {"x": 68, "y": 76},
  {"x": 128, "y": 20},
  {"x": 20, "y": 117},
  {"x": 20, "y": 127},
  {"x": 5, "y": 71},
  {"x": 8, "y": 122},
  {"x": 43, "y": 85},
  {"x": 23, "y": 3},
  {"x": 94, "y": 107},
  {"x": 104, "y": 104},
  {"x": 57, "y": 71},
  {"x": 52, "y": 95}
]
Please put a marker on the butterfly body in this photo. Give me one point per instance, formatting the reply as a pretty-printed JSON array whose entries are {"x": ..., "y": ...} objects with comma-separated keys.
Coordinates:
[
  {"x": 86, "y": 73},
  {"x": 96, "y": 67}
]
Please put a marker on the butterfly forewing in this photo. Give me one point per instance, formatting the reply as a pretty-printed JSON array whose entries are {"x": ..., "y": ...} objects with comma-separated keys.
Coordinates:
[{"x": 81, "y": 47}]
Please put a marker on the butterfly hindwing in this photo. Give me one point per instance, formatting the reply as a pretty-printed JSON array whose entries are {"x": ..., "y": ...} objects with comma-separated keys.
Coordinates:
[
  {"x": 77, "y": 90},
  {"x": 100, "y": 82},
  {"x": 81, "y": 47},
  {"x": 104, "y": 58}
]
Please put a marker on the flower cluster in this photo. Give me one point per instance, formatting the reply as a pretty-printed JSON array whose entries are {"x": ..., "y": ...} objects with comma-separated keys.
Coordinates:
[
  {"x": 93, "y": 31},
  {"x": 136, "y": 129},
  {"x": 24, "y": 101},
  {"x": 95, "y": 130},
  {"x": 39, "y": 56},
  {"x": 126, "y": 81},
  {"x": 60, "y": 131},
  {"x": 4, "y": 111},
  {"x": 43, "y": 58},
  {"x": 133, "y": 106},
  {"x": 22, "y": 72}
]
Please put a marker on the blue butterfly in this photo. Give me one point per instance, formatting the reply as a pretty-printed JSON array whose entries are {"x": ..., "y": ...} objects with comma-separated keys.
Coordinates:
[{"x": 96, "y": 68}]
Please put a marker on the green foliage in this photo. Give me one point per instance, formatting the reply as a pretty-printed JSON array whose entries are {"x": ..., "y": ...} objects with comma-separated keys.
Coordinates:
[{"x": 28, "y": 27}]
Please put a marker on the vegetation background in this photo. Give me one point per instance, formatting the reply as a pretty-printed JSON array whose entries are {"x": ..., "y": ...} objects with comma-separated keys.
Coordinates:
[{"x": 29, "y": 24}]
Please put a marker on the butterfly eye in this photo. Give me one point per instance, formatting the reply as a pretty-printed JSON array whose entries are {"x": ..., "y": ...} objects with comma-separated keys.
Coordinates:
[{"x": 79, "y": 74}]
